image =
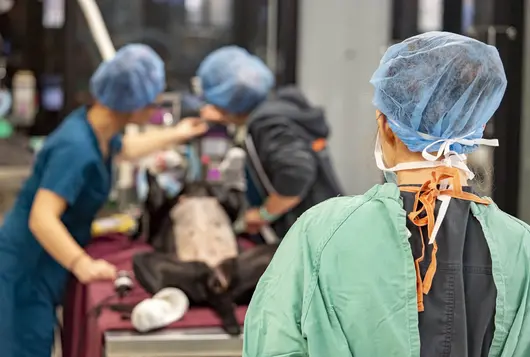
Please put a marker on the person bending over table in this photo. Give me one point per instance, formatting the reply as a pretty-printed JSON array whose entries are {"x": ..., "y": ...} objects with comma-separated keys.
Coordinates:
[
  {"x": 43, "y": 235},
  {"x": 289, "y": 168}
]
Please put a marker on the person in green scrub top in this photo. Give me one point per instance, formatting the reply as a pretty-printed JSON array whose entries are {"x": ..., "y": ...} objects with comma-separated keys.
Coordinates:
[{"x": 420, "y": 266}]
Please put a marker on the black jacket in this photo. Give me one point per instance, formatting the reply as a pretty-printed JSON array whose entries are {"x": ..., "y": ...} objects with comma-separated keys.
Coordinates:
[{"x": 282, "y": 131}]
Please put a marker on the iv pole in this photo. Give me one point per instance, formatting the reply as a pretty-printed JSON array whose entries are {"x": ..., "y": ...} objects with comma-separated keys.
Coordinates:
[{"x": 107, "y": 51}]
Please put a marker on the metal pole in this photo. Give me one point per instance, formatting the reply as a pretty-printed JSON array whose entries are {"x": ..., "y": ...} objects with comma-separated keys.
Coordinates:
[
  {"x": 97, "y": 27},
  {"x": 272, "y": 35}
]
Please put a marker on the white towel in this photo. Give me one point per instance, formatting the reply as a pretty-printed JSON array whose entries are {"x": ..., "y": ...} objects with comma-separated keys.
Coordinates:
[{"x": 164, "y": 308}]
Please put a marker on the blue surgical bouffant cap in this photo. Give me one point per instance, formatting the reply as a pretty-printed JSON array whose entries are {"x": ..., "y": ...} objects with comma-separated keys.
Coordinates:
[
  {"x": 234, "y": 80},
  {"x": 438, "y": 86},
  {"x": 131, "y": 80}
]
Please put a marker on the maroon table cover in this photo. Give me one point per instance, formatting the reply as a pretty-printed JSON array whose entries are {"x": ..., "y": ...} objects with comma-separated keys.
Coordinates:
[{"x": 78, "y": 329}]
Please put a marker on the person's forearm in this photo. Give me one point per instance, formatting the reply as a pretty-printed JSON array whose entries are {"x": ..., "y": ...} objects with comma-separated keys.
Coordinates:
[
  {"x": 136, "y": 146},
  {"x": 56, "y": 240},
  {"x": 278, "y": 205}
]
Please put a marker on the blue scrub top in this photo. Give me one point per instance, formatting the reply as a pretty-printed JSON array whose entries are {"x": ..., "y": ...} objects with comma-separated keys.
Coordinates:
[{"x": 71, "y": 165}]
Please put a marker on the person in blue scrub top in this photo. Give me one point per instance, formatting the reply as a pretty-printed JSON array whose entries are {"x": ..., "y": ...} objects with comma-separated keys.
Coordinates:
[{"x": 42, "y": 238}]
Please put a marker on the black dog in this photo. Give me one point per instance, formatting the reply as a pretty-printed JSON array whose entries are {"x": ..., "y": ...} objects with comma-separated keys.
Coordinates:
[
  {"x": 156, "y": 222},
  {"x": 155, "y": 271},
  {"x": 218, "y": 288}
]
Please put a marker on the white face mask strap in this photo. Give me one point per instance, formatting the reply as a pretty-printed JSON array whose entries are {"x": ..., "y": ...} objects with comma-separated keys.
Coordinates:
[
  {"x": 441, "y": 151},
  {"x": 445, "y": 147},
  {"x": 454, "y": 162},
  {"x": 451, "y": 158},
  {"x": 378, "y": 153},
  {"x": 440, "y": 217}
]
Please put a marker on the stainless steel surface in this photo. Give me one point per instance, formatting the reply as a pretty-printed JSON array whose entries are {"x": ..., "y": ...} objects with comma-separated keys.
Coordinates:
[{"x": 206, "y": 342}]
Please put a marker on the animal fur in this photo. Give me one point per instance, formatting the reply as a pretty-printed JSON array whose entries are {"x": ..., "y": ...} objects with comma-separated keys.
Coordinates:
[
  {"x": 192, "y": 234},
  {"x": 196, "y": 249},
  {"x": 203, "y": 233}
]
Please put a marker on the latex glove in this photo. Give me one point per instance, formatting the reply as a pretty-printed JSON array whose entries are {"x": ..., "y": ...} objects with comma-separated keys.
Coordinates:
[
  {"x": 88, "y": 270},
  {"x": 189, "y": 128}
]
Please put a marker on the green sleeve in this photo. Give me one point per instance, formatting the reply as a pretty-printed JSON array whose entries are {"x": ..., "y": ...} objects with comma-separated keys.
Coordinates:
[{"x": 273, "y": 321}]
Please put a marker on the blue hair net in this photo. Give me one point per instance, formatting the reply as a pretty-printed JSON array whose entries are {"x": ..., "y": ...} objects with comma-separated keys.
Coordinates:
[
  {"x": 131, "y": 80},
  {"x": 437, "y": 86},
  {"x": 234, "y": 80}
]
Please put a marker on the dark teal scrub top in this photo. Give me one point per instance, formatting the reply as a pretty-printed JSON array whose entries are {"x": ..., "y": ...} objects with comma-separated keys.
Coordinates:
[{"x": 71, "y": 165}]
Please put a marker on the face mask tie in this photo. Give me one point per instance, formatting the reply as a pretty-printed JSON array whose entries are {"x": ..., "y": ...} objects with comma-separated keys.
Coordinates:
[{"x": 445, "y": 183}]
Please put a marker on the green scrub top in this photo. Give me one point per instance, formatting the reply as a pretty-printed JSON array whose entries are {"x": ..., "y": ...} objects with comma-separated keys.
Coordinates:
[{"x": 325, "y": 295}]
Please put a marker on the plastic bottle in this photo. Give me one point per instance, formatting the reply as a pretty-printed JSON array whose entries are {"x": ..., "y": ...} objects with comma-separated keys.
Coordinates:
[{"x": 24, "y": 99}]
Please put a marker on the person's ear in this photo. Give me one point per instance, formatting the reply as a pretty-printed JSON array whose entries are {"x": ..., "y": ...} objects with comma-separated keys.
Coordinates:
[{"x": 386, "y": 133}]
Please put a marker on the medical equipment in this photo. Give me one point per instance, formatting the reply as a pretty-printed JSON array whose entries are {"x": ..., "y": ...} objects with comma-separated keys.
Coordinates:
[
  {"x": 169, "y": 103},
  {"x": 52, "y": 94},
  {"x": 53, "y": 13},
  {"x": 24, "y": 98},
  {"x": 6, "y": 99},
  {"x": 123, "y": 284},
  {"x": 212, "y": 149},
  {"x": 5, "y": 102}
]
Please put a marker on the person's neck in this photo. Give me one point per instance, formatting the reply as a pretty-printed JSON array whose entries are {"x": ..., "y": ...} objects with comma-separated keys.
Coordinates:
[
  {"x": 104, "y": 123},
  {"x": 420, "y": 176}
]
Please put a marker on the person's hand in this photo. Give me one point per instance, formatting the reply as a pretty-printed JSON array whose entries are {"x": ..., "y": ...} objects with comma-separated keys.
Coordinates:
[
  {"x": 253, "y": 221},
  {"x": 189, "y": 128},
  {"x": 212, "y": 114},
  {"x": 87, "y": 270}
]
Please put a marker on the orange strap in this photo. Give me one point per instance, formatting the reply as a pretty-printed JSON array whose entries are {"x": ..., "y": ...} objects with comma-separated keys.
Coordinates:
[
  {"x": 423, "y": 216},
  {"x": 319, "y": 144}
]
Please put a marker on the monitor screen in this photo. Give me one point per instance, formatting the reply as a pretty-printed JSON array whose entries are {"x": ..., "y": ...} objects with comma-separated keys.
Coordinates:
[
  {"x": 52, "y": 95},
  {"x": 214, "y": 147}
]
